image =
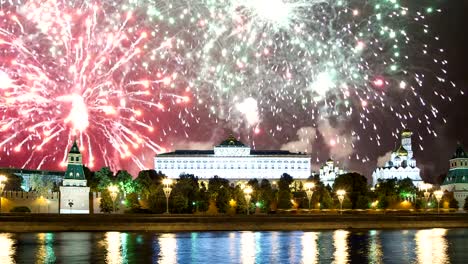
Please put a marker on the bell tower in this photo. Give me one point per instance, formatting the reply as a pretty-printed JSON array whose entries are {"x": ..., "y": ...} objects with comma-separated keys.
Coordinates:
[{"x": 74, "y": 194}]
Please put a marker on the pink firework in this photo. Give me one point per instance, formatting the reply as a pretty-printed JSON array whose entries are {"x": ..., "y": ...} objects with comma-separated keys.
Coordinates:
[{"x": 75, "y": 70}]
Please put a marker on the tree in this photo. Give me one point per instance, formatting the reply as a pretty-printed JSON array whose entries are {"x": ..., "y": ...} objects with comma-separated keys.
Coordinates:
[
  {"x": 284, "y": 192},
  {"x": 386, "y": 192},
  {"x": 13, "y": 182},
  {"x": 147, "y": 182},
  {"x": 406, "y": 188},
  {"x": 355, "y": 185},
  {"x": 125, "y": 182},
  {"x": 106, "y": 205},
  {"x": 265, "y": 195},
  {"x": 219, "y": 192},
  {"x": 91, "y": 179},
  {"x": 42, "y": 184},
  {"x": 103, "y": 178},
  {"x": 133, "y": 202},
  {"x": 185, "y": 194}
]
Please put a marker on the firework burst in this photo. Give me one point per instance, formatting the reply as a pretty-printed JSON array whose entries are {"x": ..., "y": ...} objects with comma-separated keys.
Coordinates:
[{"x": 119, "y": 74}]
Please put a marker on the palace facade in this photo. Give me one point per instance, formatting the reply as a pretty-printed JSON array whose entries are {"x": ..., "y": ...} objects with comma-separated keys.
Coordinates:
[{"x": 231, "y": 159}]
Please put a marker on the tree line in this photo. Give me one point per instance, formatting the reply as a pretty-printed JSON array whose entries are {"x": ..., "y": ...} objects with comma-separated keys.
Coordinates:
[{"x": 144, "y": 193}]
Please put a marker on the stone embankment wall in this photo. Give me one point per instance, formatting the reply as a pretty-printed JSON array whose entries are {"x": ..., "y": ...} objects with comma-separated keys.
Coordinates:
[
  {"x": 177, "y": 223},
  {"x": 37, "y": 203}
]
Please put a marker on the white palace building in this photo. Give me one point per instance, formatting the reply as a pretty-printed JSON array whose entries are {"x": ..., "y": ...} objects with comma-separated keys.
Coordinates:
[
  {"x": 401, "y": 164},
  {"x": 234, "y": 161}
]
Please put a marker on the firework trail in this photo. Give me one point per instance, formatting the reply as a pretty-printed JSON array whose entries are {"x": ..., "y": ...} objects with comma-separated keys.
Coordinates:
[{"x": 122, "y": 75}]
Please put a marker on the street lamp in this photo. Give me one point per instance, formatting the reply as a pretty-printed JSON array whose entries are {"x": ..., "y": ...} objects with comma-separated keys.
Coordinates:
[
  {"x": 341, "y": 194},
  {"x": 70, "y": 203},
  {"x": 3, "y": 179},
  {"x": 425, "y": 187},
  {"x": 167, "y": 192},
  {"x": 114, "y": 190},
  {"x": 309, "y": 186},
  {"x": 247, "y": 194},
  {"x": 438, "y": 195}
]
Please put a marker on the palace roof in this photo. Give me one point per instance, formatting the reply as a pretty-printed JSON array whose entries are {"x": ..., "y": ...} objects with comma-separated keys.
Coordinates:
[
  {"x": 211, "y": 152},
  {"x": 231, "y": 141}
]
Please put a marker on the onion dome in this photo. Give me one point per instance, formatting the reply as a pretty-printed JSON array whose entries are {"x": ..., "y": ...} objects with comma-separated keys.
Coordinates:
[
  {"x": 401, "y": 151},
  {"x": 406, "y": 133}
]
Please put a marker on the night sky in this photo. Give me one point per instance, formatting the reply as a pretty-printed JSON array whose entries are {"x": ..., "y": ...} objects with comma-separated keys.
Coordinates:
[{"x": 172, "y": 78}]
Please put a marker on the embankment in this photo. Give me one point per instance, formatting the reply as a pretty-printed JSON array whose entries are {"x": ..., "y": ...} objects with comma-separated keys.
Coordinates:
[{"x": 180, "y": 223}]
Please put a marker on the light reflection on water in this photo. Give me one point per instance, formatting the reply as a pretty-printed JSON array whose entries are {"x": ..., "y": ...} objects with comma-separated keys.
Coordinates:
[
  {"x": 7, "y": 249},
  {"x": 431, "y": 246},
  {"x": 341, "y": 246},
  {"x": 338, "y": 246}
]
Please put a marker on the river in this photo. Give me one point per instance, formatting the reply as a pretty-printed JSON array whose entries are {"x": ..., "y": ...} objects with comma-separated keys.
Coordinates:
[{"x": 334, "y": 246}]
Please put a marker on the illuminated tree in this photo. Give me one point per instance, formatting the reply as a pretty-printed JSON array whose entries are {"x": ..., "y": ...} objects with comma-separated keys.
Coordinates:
[
  {"x": 356, "y": 188},
  {"x": 284, "y": 192}
]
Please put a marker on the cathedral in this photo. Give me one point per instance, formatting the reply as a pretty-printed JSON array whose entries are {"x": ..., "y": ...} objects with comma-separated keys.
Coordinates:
[
  {"x": 401, "y": 164},
  {"x": 329, "y": 172}
]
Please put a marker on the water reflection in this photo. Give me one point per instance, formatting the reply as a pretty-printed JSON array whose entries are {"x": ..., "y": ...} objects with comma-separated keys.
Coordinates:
[
  {"x": 247, "y": 247},
  {"x": 113, "y": 247},
  {"x": 7, "y": 249},
  {"x": 431, "y": 246},
  {"x": 375, "y": 253},
  {"x": 341, "y": 246},
  {"x": 45, "y": 252},
  {"x": 309, "y": 247},
  {"x": 167, "y": 248}
]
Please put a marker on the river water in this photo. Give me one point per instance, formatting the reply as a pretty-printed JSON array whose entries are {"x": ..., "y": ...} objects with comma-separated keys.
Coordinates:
[{"x": 334, "y": 246}]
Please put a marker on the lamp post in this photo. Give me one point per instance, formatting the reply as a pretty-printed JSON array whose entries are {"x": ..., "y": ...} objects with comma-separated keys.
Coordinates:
[
  {"x": 309, "y": 186},
  {"x": 70, "y": 203},
  {"x": 438, "y": 195},
  {"x": 3, "y": 179},
  {"x": 425, "y": 187},
  {"x": 341, "y": 195},
  {"x": 114, "y": 190},
  {"x": 247, "y": 194},
  {"x": 167, "y": 192}
]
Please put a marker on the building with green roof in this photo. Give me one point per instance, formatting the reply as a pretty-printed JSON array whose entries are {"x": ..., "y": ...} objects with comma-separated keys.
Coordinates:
[
  {"x": 74, "y": 193},
  {"x": 456, "y": 180}
]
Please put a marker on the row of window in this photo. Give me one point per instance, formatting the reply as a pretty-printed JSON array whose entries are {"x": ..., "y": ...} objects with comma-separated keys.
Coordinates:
[
  {"x": 227, "y": 167},
  {"x": 459, "y": 163},
  {"x": 73, "y": 158},
  {"x": 212, "y": 161}
]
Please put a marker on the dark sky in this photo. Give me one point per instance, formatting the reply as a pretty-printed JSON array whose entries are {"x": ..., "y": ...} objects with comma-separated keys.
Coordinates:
[{"x": 452, "y": 26}]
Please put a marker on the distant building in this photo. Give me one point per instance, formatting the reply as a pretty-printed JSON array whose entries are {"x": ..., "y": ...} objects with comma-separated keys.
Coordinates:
[
  {"x": 74, "y": 194},
  {"x": 401, "y": 164},
  {"x": 329, "y": 172},
  {"x": 27, "y": 176},
  {"x": 231, "y": 159},
  {"x": 457, "y": 176}
]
